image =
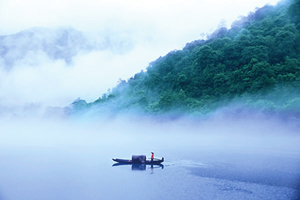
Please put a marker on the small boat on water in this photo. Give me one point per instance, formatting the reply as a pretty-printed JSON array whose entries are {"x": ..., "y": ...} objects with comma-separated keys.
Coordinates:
[{"x": 140, "y": 159}]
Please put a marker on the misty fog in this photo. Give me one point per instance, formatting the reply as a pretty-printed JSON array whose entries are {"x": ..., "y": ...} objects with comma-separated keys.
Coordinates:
[
  {"x": 255, "y": 134},
  {"x": 46, "y": 73},
  {"x": 259, "y": 156}
]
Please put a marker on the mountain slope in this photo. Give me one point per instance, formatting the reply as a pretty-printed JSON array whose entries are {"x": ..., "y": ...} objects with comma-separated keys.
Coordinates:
[{"x": 250, "y": 65}]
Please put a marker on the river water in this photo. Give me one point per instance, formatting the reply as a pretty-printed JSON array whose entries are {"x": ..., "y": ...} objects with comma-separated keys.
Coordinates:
[{"x": 203, "y": 160}]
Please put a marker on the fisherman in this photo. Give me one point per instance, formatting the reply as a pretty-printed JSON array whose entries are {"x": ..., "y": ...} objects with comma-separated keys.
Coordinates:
[{"x": 152, "y": 156}]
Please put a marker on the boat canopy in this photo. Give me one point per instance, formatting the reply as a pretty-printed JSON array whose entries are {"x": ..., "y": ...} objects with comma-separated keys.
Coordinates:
[{"x": 138, "y": 158}]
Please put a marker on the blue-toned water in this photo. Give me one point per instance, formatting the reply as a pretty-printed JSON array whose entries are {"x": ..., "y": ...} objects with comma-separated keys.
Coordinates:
[{"x": 207, "y": 160}]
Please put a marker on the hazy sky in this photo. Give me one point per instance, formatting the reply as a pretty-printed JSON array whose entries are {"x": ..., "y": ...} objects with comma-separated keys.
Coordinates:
[
  {"x": 172, "y": 15},
  {"x": 156, "y": 26}
]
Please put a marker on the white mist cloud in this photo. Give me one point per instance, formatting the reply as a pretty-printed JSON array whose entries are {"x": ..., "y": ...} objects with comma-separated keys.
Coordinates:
[{"x": 55, "y": 83}]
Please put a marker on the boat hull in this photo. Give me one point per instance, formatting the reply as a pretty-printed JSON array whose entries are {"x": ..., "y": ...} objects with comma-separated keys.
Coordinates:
[{"x": 147, "y": 162}]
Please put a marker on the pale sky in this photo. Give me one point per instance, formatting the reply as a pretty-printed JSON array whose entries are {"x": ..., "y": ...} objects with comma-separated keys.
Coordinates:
[
  {"x": 173, "y": 15},
  {"x": 169, "y": 24}
]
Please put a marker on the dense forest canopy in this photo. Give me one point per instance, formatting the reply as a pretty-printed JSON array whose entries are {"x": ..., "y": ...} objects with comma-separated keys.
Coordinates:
[{"x": 253, "y": 65}]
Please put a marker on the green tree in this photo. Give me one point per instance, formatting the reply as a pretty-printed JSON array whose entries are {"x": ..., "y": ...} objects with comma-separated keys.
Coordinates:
[{"x": 206, "y": 57}]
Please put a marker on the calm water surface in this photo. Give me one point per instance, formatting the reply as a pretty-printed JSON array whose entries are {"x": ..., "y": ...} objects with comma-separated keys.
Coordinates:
[{"x": 208, "y": 161}]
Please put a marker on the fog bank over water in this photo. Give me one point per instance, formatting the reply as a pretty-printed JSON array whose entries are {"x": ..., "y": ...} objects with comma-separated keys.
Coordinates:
[
  {"x": 253, "y": 133},
  {"x": 225, "y": 157}
]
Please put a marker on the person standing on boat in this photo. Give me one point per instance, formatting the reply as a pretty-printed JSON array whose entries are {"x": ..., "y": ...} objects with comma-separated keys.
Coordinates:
[{"x": 152, "y": 156}]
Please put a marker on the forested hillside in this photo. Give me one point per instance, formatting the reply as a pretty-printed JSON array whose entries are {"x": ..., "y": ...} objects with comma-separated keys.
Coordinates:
[{"x": 253, "y": 65}]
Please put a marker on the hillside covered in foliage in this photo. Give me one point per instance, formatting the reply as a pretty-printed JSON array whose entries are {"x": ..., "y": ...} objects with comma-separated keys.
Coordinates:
[{"x": 253, "y": 65}]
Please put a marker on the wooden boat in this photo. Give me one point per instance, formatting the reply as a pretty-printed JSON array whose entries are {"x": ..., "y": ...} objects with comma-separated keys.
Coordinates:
[{"x": 139, "y": 160}]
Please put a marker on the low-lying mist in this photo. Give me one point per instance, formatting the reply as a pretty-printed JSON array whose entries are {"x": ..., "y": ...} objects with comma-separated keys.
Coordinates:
[
  {"x": 46, "y": 155},
  {"x": 254, "y": 133}
]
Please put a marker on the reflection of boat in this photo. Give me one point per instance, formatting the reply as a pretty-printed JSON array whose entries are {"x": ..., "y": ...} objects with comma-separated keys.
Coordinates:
[
  {"x": 139, "y": 160},
  {"x": 138, "y": 166}
]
